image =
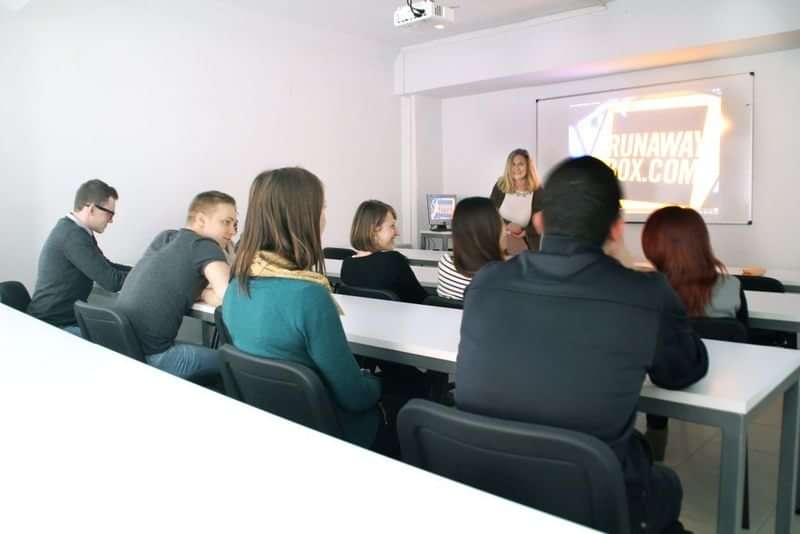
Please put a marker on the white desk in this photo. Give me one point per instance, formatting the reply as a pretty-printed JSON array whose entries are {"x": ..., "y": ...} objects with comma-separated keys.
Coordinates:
[
  {"x": 775, "y": 311},
  {"x": 738, "y": 386},
  {"x": 416, "y": 256},
  {"x": 426, "y": 236},
  {"x": 96, "y": 442},
  {"x": 427, "y": 276},
  {"x": 790, "y": 278}
]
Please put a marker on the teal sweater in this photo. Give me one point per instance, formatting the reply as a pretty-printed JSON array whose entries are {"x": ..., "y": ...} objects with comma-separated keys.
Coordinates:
[{"x": 297, "y": 320}]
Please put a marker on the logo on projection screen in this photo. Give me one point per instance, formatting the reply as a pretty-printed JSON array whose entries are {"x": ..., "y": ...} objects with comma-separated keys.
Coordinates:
[{"x": 665, "y": 148}]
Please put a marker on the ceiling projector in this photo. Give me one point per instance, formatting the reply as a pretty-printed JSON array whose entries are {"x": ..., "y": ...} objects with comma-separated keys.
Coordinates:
[{"x": 426, "y": 12}]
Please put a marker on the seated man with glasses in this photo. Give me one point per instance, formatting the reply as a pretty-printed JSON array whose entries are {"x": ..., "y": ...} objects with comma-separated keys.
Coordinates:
[{"x": 71, "y": 262}]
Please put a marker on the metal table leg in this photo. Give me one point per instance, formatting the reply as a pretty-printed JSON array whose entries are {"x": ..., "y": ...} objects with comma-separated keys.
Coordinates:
[
  {"x": 788, "y": 466},
  {"x": 731, "y": 477}
]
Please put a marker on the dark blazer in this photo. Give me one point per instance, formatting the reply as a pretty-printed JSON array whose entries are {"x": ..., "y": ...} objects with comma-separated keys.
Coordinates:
[
  {"x": 564, "y": 337},
  {"x": 531, "y": 237}
]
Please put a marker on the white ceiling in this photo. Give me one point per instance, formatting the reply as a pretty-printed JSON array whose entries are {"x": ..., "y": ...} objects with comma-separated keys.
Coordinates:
[{"x": 372, "y": 19}]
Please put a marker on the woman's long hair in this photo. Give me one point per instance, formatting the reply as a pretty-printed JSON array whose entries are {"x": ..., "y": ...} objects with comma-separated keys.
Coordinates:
[
  {"x": 477, "y": 228},
  {"x": 676, "y": 241},
  {"x": 506, "y": 183},
  {"x": 283, "y": 216}
]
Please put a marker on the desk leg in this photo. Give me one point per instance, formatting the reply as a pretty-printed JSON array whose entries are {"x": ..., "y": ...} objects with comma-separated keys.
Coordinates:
[
  {"x": 788, "y": 467},
  {"x": 731, "y": 477}
]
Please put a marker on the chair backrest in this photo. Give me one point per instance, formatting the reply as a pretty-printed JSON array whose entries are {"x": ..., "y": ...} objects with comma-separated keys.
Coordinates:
[
  {"x": 15, "y": 295},
  {"x": 222, "y": 330},
  {"x": 565, "y": 473},
  {"x": 109, "y": 328},
  {"x": 436, "y": 300},
  {"x": 382, "y": 294},
  {"x": 761, "y": 283},
  {"x": 336, "y": 253},
  {"x": 727, "y": 329},
  {"x": 282, "y": 387}
]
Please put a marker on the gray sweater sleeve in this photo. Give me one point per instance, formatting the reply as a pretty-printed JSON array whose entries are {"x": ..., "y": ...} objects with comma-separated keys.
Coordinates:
[{"x": 81, "y": 250}]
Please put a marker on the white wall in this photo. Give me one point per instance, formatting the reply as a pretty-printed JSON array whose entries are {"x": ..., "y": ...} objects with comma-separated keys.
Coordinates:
[
  {"x": 478, "y": 132},
  {"x": 629, "y": 34},
  {"x": 166, "y": 99}
]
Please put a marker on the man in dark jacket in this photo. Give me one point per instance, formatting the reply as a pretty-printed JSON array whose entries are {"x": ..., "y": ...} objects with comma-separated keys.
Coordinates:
[
  {"x": 564, "y": 337},
  {"x": 71, "y": 262}
]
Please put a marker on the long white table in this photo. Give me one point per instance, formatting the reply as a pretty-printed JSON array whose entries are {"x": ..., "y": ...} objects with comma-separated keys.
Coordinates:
[
  {"x": 775, "y": 311},
  {"x": 738, "y": 386},
  {"x": 96, "y": 442}
]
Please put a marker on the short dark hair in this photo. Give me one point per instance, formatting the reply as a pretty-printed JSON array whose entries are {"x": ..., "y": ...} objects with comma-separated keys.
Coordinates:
[
  {"x": 581, "y": 200},
  {"x": 369, "y": 216},
  {"x": 207, "y": 200},
  {"x": 93, "y": 192},
  {"x": 477, "y": 228}
]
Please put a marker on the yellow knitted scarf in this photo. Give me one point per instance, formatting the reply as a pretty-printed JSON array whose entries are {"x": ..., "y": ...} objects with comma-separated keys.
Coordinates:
[{"x": 268, "y": 264}]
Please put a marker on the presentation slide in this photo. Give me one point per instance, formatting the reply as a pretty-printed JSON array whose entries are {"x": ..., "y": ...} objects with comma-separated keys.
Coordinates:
[{"x": 686, "y": 143}]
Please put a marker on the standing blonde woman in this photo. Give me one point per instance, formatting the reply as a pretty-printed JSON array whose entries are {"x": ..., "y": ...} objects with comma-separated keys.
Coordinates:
[{"x": 517, "y": 195}]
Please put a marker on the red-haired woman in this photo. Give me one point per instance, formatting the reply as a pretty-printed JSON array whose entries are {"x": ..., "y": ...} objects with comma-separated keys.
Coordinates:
[{"x": 676, "y": 241}]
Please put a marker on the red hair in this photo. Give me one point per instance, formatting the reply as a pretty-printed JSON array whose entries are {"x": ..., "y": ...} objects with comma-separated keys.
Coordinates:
[{"x": 675, "y": 240}]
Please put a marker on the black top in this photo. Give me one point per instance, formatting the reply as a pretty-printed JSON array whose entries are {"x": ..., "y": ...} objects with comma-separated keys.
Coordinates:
[
  {"x": 384, "y": 270},
  {"x": 70, "y": 263},
  {"x": 564, "y": 338},
  {"x": 164, "y": 284}
]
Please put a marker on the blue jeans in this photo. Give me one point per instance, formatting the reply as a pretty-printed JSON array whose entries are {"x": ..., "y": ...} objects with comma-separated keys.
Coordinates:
[
  {"x": 73, "y": 329},
  {"x": 184, "y": 360}
]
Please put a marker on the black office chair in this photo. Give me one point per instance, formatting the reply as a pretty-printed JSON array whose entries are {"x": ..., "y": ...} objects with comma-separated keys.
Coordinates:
[
  {"x": 436, "y": 300},
  {"x": 336, "y": 253},
  {"x": 761, "y": 336},
  {"x": 14, "y": 294},
  {"x": 282, "y": 387},
  {"x": 110, "y": 328},
  {"x": 565, "y": 473},
  {"x": 727, "y": 329},
  {"x": 381, "y": 294},
  {"x": 222, "y": 335}
]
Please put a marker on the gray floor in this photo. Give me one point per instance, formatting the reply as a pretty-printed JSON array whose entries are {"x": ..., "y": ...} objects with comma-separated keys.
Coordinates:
[{"x": 694, "y": 452}]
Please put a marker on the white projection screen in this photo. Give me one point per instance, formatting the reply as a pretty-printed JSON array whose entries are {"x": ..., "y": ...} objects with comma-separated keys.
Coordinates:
[{"x": 687, "y": 143}]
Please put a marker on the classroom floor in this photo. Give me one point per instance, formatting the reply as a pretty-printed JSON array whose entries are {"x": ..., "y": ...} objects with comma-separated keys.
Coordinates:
[{"x": 694, "y": 452}]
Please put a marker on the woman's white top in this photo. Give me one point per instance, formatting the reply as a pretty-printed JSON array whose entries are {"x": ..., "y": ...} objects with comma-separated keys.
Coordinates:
[
  {"x": 451, "y": 282},
  {"x": 517, "y": 208}
]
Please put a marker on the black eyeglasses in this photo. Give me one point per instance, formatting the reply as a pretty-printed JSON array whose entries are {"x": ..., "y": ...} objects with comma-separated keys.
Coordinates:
[{"x": 101, "y": 208}]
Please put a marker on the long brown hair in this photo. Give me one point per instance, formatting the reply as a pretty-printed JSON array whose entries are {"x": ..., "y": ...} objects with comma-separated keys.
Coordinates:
[
  {"x": 506, "y": 183},
  {"x": 676, "y": 242},
  {"x": 283, "y": 216},
  {"x": 476, "y": 235}
]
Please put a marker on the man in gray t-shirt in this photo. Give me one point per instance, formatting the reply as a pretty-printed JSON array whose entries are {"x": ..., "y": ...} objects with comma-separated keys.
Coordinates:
[{"x": 177, "y": 269}]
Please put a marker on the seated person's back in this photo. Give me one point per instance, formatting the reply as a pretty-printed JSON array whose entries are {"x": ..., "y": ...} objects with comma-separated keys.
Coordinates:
[
  {"x": 376, "y": 264},
  {"x": 280, "y": 304},
  {"x": 478, "y": 238},
  {"x": 175, "y": 272},
  {"x": 565, "y": 336},
  {"x": 71, "y": 262},
  {"x": 676, "y": 241}
]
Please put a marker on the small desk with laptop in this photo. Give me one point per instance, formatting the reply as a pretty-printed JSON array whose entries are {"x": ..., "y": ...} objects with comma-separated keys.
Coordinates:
[{"x": 97, "y": 442}]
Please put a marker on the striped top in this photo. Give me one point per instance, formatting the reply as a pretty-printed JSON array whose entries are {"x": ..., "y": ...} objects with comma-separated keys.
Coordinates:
[{"x": 451, "y": 283}]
